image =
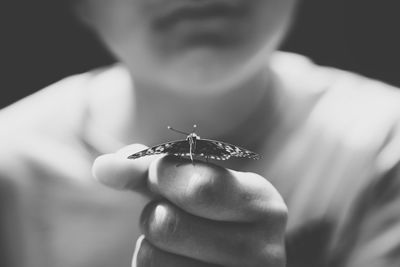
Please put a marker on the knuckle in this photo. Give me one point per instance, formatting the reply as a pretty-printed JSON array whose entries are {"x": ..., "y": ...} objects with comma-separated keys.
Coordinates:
[
  {"x": 274, "y": 211},
  {"x": 274, "y": 205},
  {"x": 159, "y": 222},
  {"x": 279, "y": 212},
  {"x": 273, "y": 225}
]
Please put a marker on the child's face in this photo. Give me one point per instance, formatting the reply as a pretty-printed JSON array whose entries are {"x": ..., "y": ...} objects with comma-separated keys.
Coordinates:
[{"x": 182, "y": 44}]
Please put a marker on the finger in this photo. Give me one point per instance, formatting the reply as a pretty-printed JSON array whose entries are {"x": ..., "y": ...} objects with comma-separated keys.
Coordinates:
[
  {"x": 226, "y": 243},
  {"x": 147, "y": 255},
  {"x": 118, "y": 172},
  {"x": 213, "y": 192}
]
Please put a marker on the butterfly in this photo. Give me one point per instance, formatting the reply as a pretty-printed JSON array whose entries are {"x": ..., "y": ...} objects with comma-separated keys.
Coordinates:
[{"x": 193, "y": 145}]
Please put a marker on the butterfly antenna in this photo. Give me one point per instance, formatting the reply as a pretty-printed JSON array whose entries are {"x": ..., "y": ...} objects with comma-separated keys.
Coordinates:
[{"x": 172, "y": 129}]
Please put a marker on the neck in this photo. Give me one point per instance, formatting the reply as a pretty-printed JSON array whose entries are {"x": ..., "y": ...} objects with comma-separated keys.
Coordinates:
[{"x": 236, "y": 116}]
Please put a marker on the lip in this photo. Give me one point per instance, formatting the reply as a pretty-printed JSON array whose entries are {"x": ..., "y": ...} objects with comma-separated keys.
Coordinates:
[{"x": 198, "y": 11}]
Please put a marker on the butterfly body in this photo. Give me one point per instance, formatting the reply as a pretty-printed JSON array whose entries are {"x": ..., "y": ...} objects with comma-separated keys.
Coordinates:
[{"x": 193, "y": 145}]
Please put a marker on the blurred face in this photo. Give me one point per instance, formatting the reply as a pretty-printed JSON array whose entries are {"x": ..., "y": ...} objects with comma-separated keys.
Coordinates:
[{"x": 197, "y": 45}]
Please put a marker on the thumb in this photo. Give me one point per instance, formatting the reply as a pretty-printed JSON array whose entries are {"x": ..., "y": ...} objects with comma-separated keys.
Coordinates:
[{"x": 117, "y": 171}]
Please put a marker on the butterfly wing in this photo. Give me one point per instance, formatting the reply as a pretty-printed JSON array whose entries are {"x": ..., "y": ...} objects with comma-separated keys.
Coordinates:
[
  {"x": 221, "y": 150},
  {"x": 210, "y": 149},
  {"x": 204, "y": 147},
  {"x": 178, "y": 148}
]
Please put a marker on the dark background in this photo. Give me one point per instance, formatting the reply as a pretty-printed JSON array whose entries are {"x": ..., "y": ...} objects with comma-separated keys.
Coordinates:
[{"x": 41, "y": 42}]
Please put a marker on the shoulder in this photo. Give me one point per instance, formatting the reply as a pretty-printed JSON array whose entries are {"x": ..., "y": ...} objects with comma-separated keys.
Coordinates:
[
  {"x": 342, "y": 159},
  {"x": 42, "y": 130},
  {"x": 54, "y": 104},
  {"x": 347, "y": 133},
  {"x": 360, "y": 113},
  {"x": 61, "y": 103}
]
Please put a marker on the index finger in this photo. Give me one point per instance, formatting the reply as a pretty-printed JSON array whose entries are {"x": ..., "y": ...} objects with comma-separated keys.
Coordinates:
[
  {"x": 213, "y": 192},
  {"x": 117, "y": 171}
]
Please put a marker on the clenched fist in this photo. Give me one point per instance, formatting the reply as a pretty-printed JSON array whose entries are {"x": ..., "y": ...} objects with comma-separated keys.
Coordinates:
[{"x": 201, "y": 214}]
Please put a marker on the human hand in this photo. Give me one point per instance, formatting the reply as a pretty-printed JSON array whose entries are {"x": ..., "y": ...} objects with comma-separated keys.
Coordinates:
[{"x": 201, "y": 214}]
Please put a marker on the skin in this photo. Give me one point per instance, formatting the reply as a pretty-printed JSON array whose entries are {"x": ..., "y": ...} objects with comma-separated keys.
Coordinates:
[
  {"x": 184, "y": 73},
  {"x": 200, "y": 214}
]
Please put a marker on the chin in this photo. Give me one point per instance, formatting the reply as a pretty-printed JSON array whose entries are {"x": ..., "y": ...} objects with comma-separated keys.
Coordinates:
[
  {"x": 197, "y": 71},
  {"x": 199, "y": 87},
  {"x": 195, "y": 82},
  {"x": 200, "y": 81},
  {"x": 203, "y": 72}
]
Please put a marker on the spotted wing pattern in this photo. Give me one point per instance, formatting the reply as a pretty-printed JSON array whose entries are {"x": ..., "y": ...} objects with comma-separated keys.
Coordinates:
[
  {"x": 221, "y": 150},
  {"x": 209, "y": 149},
  {"x": 175, "y": 147}
]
